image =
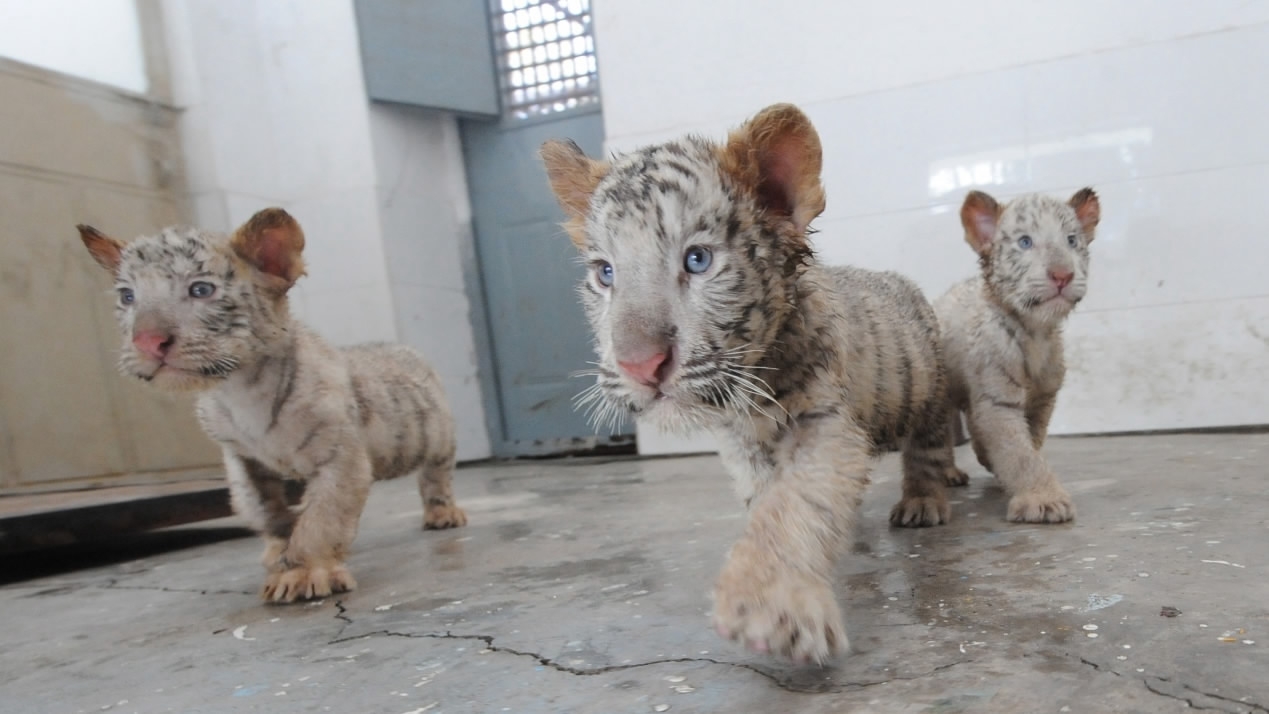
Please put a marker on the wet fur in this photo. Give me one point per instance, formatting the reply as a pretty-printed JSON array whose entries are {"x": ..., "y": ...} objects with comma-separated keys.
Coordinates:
[
  {"x": 1003, "y": 342},
  {"x": 804, "y": 372},
  {"x": 282, "y": 403}
]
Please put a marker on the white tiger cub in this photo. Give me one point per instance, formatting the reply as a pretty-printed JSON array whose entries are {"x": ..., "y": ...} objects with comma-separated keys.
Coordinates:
[
  {"x": 709, "y": 311},
  {"x": 198, "y": 311},
  {"x": 1002, "y": 337}
]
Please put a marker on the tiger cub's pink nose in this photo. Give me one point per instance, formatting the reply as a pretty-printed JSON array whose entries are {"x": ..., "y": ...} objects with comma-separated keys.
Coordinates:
[
  {"x": 152, "y": 343},
  {"x": 650, "y": 370}
]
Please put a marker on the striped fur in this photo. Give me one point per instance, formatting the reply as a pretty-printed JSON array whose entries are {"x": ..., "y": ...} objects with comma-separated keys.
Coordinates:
[
  {"x": 281, "y": 402},
  {"x": 804, "y": 372},
  {"x": 1002, "y": 338}
]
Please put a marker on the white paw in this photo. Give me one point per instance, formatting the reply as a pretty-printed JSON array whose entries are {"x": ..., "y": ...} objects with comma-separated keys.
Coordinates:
[
  {"x": 788, "y": 614},
  {"x": 1048, "y": 505},
  {"x": 307, "y": 583},
  {"x": 445, "y": 515}
]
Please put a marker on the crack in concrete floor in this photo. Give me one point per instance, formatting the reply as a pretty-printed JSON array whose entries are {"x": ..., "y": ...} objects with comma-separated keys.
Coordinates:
[
  {"x": 113, "y": 584},
  {"x": 488, "y": 640},
  {"x": 1147, "y": 679}
]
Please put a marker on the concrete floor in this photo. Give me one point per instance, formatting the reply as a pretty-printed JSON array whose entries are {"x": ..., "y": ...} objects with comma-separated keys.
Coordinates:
[{"x": 581, "y": 586}]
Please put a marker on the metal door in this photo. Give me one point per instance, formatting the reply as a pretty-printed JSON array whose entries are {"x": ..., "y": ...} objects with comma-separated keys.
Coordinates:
[{"x": 538, "y": 338}]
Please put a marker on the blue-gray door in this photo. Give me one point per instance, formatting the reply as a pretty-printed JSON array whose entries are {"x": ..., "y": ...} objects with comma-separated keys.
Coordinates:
[
  {"x": 537, "y": 330},
  {"x": 516, "y": 72},
  {"x": 538, "y": 336}
]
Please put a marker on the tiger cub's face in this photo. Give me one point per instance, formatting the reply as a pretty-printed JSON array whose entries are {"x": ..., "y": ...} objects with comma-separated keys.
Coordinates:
[
  {"x": 692, "y": 251},
  {"x": 193, "y": 308},
  {"x": 1034, "y": 250}
]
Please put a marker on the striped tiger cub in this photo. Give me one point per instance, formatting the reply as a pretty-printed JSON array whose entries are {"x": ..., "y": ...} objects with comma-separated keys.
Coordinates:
[
  {"x": 709, "y": 311},
  {"x": 208, "y": 313},
  {"x": 1002, "y": 337}
]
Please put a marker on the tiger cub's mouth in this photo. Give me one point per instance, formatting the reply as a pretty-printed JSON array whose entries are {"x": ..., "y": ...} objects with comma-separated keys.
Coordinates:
[{"x": 150, "y": 369}]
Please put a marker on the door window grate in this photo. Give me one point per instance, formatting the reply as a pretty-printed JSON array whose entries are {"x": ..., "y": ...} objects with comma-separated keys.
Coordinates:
[{"x": 546, "y": 55}]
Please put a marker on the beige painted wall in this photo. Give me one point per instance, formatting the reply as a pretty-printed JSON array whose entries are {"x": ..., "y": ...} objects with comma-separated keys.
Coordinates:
[{"x": 74, "y": 151}]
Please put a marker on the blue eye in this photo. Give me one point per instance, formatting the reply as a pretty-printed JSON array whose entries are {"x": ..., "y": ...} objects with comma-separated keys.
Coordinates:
[
  {"x": 201, "y": 289},
  {"x": 603, "y": 273},
  {"x": 1072, "y": 241},
  {"x": 697, "y": 259},
  {"x": 1024, "y": 242},
  {"x": 126, "y": 296}
]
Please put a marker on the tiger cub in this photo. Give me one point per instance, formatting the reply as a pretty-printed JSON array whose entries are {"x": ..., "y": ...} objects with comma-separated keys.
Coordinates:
[
  {"x": 709, "y": 311},
  {"x": 1002, "y": 337},
  {"x": 209, "y": 313}
]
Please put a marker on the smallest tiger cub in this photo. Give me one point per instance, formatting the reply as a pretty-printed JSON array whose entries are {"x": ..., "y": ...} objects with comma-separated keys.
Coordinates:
[
  {"x": 210, "y": 313},
  {"x": 1002, "y": 338}
]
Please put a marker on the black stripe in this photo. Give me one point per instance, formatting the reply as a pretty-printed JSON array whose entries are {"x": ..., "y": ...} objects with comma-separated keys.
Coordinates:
[
  {"x": 1008, "y": 328},
  {"x": 363, "y": 404},
  {"x": 905, "y": 376},
  {"x": 309, "y": 437},
  {"x": 881, "y": 416},
  {"x": 287, "y": 385},
  {"x": 816, "y": 415},
  {"x": 259, "y": 370}
]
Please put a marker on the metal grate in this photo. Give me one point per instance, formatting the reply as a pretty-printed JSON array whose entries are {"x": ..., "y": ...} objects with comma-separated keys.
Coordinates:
[{"x": 546, "y": 54}]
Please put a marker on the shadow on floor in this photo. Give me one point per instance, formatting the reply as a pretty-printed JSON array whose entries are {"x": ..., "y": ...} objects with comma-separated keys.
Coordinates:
[{"x": 20, "y": 567}]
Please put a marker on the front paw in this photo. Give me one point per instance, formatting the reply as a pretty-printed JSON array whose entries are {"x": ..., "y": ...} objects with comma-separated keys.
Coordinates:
[
  {"x": 307, "y": 583},
  {"x": 442, "y": 516},
  {"x": 786, "y": 613},
  {"x": 921, "y": 511},
  {"x": 1046, "y": 505}
]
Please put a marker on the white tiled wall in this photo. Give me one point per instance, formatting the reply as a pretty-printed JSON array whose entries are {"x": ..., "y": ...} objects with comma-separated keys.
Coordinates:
[
  {"x": 275, "y": 113},
  {"x": 1159, "y": 105},
  {"x": 426, "y": 218}
]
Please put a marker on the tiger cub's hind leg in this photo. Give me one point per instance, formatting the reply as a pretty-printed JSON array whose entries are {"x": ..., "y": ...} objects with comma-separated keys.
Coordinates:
[
  {"x": 955, "y": 437},
  {"x": 436, "y": 489},
  {"x": 927, "y": 466}
]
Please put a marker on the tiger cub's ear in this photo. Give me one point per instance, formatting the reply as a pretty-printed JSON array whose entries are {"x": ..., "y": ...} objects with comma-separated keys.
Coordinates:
[
  {"x": 271, "y": 242},
  {"x": 776, "y": 157},
  {"x": 1088, "y": 208},
  {"x": 105, "y": 250},
  {"x": 979, "y": 216},
  {"x": 573, "y": 176}
]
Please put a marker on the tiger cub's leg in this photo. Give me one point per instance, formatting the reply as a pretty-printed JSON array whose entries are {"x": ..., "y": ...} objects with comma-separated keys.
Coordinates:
[
  {"x": 927, "y": 465},
  {"x": 1002, "y": 435},
  {"x": 258, "y": 496},
  {"x": 436, "y": 489},
  {"x": 955, "y": 437}
]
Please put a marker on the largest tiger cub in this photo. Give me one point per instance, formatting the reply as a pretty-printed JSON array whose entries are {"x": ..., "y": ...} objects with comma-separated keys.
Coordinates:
[{"x": 710, "y": 311}]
